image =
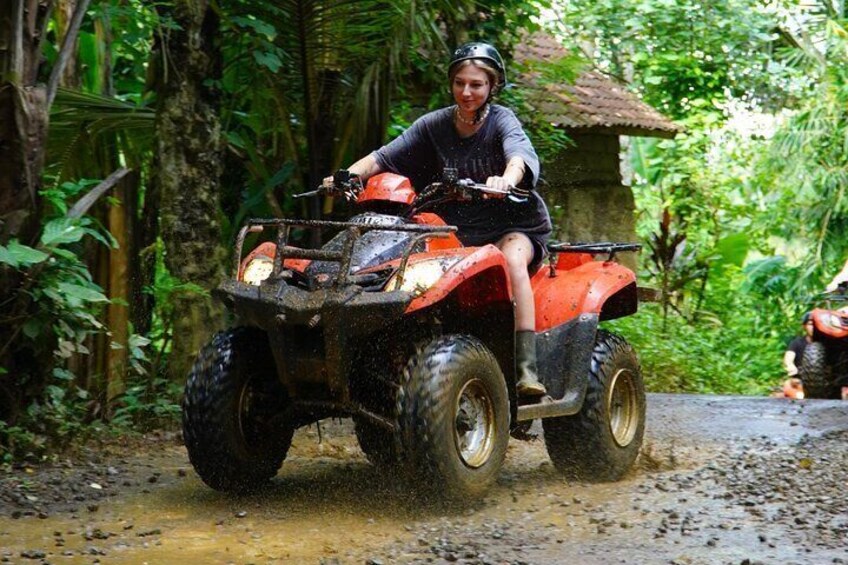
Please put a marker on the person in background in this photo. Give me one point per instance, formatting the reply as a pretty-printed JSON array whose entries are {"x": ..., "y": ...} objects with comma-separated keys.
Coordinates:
[{"x": 793, "y": 356}]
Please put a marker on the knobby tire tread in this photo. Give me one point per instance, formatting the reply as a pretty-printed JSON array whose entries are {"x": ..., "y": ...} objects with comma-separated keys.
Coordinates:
[
  {"x": 216, "y": 451},
  {"x": 425, "y": 401},
  {"x": 581, "y": 446},
  {"x": 815, "y": 373}
]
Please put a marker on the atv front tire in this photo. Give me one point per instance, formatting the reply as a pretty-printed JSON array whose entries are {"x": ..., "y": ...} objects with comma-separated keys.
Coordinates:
[
  {"x": 454, "y": 416},
  {"x": 816, "y": 374},
  {"x": 602, "y": 441},
  {"x": 235, "y": 412}
]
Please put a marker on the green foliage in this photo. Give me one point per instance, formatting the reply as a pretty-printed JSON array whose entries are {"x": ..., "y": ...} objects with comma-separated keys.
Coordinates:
[
  {"x": 164, "y": 289},
  {"x": 686, "y": 57},
  {"x": 735, "y": 345},
  {"x": 134, "y": 27},
  {"x": 58, "y": 292},
  {"x": 54, "y": 309},
  {"x": 151, "y": 400},
  {"x": 149, "y": 404},
  {"x": 51, "y": 422},
  {"x": 806, "y": 162},
  {"x": 727, "y": 221}
]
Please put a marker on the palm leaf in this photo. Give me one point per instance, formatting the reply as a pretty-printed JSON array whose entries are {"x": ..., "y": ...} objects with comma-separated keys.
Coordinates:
[{"x": 79, "y": 119}]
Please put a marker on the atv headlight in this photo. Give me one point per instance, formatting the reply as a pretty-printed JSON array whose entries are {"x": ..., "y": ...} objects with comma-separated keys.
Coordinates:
[
  {"x": 257, "y": 270},
  {"x": 420, "y": 276}
]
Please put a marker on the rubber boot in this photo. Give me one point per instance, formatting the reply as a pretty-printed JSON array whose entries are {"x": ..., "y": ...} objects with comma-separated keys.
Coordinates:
[{"x": 525, "y": 363}]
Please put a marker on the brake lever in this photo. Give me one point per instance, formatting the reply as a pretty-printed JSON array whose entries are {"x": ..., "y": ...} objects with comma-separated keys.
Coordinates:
[{"x": 320, "y": 190}]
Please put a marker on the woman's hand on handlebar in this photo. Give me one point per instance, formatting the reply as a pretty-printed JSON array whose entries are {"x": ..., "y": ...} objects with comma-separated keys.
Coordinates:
[
  {"x": 500, "y": 184},
  {"x": 343, "y": 183}
]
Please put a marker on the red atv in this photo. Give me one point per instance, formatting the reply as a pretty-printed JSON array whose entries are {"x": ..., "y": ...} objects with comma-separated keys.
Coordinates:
[
  {"x": 824, "y": 366},
  {"x": 397, "y": 325}
]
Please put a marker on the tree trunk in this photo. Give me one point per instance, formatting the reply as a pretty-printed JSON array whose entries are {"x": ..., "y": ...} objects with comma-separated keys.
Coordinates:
[
  {"x": 188, "y": 169},
  {"x": 119, "y": 219},
  {"x": 23, "y": 130},
  {"x": 23, "y": 127},
  {"x": 117, "y": 358}
]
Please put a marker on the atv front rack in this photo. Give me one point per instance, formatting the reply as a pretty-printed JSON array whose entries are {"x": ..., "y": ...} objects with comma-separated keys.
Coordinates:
[{"x": 354, "y": 230}]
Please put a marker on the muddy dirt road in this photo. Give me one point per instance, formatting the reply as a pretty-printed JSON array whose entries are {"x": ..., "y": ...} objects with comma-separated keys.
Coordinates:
[{"x": 721, "y": 480}]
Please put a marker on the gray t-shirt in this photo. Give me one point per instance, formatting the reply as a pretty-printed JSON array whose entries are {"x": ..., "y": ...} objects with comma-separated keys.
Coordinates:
[{"x": 432, "y": 144}]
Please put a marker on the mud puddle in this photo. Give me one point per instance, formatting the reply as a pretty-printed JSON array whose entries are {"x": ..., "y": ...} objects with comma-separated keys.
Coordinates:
[{"x": 721, "y": 480}]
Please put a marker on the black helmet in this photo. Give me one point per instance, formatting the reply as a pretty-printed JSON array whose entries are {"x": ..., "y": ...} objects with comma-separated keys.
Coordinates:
[{"x": 482, "y": 52}]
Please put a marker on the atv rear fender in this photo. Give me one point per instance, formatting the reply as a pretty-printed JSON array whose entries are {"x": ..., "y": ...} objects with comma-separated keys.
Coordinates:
[{"x": 603, "y": 288}]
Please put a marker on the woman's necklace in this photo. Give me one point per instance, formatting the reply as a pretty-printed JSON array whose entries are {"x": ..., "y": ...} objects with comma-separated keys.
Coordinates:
[{"x": 472, "y": 122}]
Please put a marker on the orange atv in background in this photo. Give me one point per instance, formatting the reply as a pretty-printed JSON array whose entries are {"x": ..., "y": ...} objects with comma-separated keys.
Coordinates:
[
  {"x": 398, "y": 325},
  {"x": 824, "y": 367}
]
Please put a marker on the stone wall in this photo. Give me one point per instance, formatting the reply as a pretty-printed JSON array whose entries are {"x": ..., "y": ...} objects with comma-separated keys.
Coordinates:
[{"x": 585, "y": 194}]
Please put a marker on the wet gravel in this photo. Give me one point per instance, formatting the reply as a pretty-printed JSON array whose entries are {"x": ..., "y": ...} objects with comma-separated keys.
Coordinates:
[
  {"x": 79, "y": 481},
  {"x": 720, "y": 480}
]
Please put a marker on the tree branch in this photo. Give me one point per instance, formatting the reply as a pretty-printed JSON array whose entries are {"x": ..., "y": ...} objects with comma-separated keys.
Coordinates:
[
  {"x": 87, "y": 201},
  {"x": 66, "y": 52},
  {"x": 17, "y": 62}
]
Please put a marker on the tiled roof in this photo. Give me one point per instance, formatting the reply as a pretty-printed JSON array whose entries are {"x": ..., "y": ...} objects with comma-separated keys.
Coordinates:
[{"x": 593, "y": 102}]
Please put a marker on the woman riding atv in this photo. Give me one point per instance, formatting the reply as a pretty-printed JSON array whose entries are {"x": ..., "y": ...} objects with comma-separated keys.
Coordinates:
[{"x": 485, "y": 143}]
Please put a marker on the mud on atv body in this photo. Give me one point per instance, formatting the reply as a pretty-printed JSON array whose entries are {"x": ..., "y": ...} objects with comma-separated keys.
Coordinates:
[{"x": 398, "y": 326}]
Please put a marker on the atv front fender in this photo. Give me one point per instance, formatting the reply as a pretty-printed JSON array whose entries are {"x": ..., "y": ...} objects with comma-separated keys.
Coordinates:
[
  {"x": 830, "y": 323},
  {"x": 478, "y": 280},
  {"x": 603, "y": 288}
]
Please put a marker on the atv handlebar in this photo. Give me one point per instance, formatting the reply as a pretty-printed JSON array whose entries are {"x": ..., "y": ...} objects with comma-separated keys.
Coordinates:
[
  {"x": 350, "y": 185},
  {"x": 453, "y": 188},
  {"x": 515, "y": 193},
  {"x": 345, "y": 183}
]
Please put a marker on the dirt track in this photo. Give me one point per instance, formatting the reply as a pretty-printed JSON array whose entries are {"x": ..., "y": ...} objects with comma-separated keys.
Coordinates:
[{"x": 721, "y": 480}]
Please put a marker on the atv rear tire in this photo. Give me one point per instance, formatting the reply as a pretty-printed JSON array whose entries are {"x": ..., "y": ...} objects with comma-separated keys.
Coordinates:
[
  {"x": 602, "y": 441},
  {"x": 235, "y": 412},
  {"x": 816, "y": 374},
  {"x": 454, "y": 416}
]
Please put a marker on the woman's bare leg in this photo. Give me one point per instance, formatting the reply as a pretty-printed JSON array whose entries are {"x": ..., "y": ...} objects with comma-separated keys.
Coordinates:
[{"x": 518, "y": 251}]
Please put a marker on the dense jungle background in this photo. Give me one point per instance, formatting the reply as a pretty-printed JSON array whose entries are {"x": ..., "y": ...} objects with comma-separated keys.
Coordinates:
[{"x": 135, "y": 137}]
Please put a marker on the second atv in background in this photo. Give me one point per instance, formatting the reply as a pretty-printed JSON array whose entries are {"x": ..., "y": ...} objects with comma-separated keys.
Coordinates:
[{"x": 824, "y": 367}]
